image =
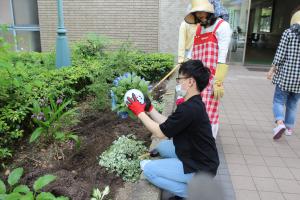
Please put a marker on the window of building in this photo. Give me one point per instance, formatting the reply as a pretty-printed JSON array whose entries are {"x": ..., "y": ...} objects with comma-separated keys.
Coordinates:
[
  {"x": 265, "y": 19},
  {"x": 21, "y": 17}
]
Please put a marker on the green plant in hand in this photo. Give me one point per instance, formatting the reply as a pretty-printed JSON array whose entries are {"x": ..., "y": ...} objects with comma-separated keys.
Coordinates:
[
  {"x": 51, "y": 116},
  {"x": 16, "y": 191},
  {"x": 121, "y": 85}
]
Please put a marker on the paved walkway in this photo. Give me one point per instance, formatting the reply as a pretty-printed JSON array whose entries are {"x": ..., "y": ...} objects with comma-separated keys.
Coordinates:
[{"x": 259, "y": 168}]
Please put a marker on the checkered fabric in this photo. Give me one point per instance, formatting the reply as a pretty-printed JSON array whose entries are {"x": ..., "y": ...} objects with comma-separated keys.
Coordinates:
[
  {"x": 205, "y": 48},
  {"x": 287, "y": 61}
]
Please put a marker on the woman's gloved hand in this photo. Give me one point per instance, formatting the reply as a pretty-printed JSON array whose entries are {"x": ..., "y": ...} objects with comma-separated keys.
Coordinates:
[{"x": 220, "y": 75}]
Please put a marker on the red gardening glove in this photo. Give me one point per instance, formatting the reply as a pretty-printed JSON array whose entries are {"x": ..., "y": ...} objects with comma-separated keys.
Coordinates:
[
  {"x": 179, "y": 101},
  {"x": 135, "y": 106}
]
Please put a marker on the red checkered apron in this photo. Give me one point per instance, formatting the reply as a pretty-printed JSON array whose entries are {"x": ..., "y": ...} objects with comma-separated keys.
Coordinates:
[{"x": 205, "y": 48}]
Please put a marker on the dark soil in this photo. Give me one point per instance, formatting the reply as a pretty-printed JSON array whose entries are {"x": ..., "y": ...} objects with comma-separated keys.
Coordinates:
[{"x": 78, "y": 171}]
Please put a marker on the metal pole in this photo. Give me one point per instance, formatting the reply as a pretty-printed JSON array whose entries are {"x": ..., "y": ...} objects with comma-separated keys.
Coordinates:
[{"x": 62, "y": 48}]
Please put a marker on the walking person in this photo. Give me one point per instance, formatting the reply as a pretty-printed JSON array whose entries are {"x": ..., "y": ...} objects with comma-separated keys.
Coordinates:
[
  {"x": 285, "y": 75},
  {"x": 211, "y": 44}
]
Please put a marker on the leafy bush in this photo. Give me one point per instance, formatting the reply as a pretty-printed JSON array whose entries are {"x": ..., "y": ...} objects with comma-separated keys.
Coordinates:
[
  {"x": 152, "y": 66},
  {"x": 29, "y": 76},
  {"x": 122, "y": 157},
  {"x": 19, "y": 192},
  {"x": 34, "y": 60},
  {"x": 92, "y": 46},
  {"x": 121, "y": 85}
]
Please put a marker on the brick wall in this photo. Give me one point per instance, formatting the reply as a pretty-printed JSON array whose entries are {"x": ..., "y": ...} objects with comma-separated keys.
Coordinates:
[
  {"x": 136, "y": 20},
  {"x": 171, "y": 13}
]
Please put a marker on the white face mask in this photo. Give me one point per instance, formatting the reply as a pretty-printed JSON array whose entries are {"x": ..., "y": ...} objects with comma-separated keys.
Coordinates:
[{"x": 180, "y": 92}]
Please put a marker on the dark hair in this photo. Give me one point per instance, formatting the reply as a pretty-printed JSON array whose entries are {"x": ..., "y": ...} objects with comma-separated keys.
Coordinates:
[
  {"x": 295, "y": 10},
  {"x": 196, "y": 70},
  {"x": 211, "y": 19}
]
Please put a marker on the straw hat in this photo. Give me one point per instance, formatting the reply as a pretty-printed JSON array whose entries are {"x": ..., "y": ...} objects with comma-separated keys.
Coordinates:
[
  {"x": 296, "y": 18},
  {"x": 198, "y": 6}
]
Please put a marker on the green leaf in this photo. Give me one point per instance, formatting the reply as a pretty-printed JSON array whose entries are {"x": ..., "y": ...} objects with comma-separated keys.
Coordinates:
[
  {"x": 59, "y": 136},
  {"x": 28, "y": 196},
  {"x": 45, "y": 196},
  {"x": 62, "y": 198},
  {"x": 43, "y": 181},
  {"x": 13, "y": 196},
  {"x": 75, "y": 138},
  {"x": 2, "y": 187},
  {"x": 15, "y": 176},
  {"x": 22, "y": 189},
  {"x": 36, "y": 134},
  {"x": 3, "y": 196}
]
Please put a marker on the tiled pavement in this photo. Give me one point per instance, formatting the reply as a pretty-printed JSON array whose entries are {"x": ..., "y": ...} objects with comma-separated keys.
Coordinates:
[
  {"x": 259, "y": 168},
  {"x": 253, "y": 166}
]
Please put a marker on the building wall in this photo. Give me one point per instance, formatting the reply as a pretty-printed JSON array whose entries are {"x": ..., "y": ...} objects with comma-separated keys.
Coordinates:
[
  {"x": 136, "y": 20},
  {"x": 171, "y": 15}
]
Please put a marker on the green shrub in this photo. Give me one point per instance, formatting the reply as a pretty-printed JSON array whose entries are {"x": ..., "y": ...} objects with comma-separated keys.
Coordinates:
[
  {"x": 34, "y": 60},
  {"x": 19, "y": 192},
  {"x": 152, "y": 66},
  {"x": 122, "y": 157},
  {"x": 29, "y": 76},
  {"x": 92, "y": 46}
]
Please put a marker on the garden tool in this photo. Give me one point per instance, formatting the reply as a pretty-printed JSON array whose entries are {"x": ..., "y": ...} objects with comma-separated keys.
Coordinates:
[
  {"x": 165, "y": 77},
  {"x": 152, "y": 153},
  {"x": 220, "y": 75}
]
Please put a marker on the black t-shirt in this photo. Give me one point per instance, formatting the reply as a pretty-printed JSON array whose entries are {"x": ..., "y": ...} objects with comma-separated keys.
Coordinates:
[{"x": 190, "y": 129}]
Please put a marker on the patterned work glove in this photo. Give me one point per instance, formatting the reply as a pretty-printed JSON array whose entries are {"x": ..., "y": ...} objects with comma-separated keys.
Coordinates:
[
  {"x": 220, "y": 75},
  {"x": 134, "y": 105}
]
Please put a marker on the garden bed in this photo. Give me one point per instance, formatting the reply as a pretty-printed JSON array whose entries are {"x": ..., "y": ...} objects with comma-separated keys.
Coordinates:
[{"x": 80, "y": 172}]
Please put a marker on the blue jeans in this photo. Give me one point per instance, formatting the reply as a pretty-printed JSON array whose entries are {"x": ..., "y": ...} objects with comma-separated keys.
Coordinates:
[
  {"x": 168, "y": 173},
  {"x": 289, "y": 100}
]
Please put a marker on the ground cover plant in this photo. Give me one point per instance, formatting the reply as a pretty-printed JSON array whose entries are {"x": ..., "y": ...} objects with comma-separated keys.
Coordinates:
[{"x": 122, "y": 157}]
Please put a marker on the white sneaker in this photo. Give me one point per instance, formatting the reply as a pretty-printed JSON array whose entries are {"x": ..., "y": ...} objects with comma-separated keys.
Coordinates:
[
  {"x": 278, "y": 131},
  {"x": 143, "y": 163},
  {"x": 288, "y": 132}
]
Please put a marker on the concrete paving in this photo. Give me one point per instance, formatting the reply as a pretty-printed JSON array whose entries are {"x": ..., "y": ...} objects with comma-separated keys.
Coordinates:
[{"x": 259, "y": 167}]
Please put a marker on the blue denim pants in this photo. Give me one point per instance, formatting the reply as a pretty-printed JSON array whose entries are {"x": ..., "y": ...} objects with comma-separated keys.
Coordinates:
[
  {"x": 289, "y": 101},
  {"x": 167, "y": 173}
]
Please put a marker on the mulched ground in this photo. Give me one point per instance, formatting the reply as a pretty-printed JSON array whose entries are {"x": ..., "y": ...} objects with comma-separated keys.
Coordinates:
[{"x": 79, "y": 172}]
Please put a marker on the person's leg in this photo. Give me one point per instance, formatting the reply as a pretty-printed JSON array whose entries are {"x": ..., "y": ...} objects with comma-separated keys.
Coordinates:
[
  {"x": 168, "y": 174},
  {"x": 279, "y": 101},
  {"x": 166, "y": 149},
  {"x": 291, "y": 109}
]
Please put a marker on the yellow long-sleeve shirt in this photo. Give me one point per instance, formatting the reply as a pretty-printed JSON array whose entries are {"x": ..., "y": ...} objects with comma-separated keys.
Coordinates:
[{"x": 186, "y": 40}]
